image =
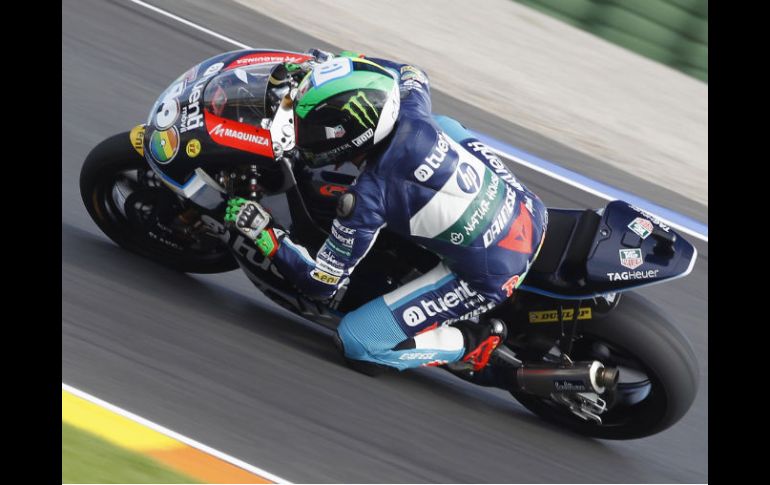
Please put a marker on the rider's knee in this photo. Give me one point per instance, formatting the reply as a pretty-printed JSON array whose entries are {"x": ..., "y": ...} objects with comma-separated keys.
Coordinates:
[
  {"x": 346, "y": 342},
  {"x": 356, "y": 354}
]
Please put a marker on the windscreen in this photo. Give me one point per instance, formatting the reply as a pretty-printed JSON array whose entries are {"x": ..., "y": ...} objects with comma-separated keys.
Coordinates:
[{"x": 239, "y": 94}]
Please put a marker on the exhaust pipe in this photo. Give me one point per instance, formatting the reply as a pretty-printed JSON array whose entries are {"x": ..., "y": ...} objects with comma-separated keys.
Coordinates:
[{"x": 543, "y": 380}]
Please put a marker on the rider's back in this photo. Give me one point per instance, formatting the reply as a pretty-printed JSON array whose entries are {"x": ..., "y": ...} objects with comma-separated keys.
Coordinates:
[{"x": 448, "y": 193}]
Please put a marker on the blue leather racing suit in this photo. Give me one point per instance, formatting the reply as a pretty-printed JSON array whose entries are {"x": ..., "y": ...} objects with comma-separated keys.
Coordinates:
[{"x": 439, "y": 186}]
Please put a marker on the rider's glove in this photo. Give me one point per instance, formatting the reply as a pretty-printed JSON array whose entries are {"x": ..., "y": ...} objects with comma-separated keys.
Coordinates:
[{"x": 251, "y": 220}]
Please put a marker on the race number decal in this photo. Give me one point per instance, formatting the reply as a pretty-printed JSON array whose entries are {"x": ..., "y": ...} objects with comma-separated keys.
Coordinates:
[
  {"x": 167, "y": 113},
  {"x": 334, "y": 69}
]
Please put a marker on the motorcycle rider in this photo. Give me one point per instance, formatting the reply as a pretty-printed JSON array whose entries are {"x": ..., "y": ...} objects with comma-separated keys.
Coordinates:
[{"x": 424, "y": 177}]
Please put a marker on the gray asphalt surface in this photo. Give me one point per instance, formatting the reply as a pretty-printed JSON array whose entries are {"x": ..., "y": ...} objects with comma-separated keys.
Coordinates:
[{"x": 210, "y": 357}]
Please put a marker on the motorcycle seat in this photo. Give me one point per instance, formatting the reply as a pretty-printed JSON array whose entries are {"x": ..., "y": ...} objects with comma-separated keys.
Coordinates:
[{"x": 561, "y": 265}]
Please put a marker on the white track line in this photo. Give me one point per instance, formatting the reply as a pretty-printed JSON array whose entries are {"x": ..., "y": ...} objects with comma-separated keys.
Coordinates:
[
  {"x": 510, "y": 157},
  {"x": 173, "y": 434},
  {"x": 191, "y": 24},
  {"x": 590, "y": 190}
]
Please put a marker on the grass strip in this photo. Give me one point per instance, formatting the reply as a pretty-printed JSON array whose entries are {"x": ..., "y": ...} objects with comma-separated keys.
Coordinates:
[{"x": 86, "y": 458}]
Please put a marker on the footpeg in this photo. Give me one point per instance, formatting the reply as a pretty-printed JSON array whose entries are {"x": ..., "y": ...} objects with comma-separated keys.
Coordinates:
[{"x": 498, "y": 328}]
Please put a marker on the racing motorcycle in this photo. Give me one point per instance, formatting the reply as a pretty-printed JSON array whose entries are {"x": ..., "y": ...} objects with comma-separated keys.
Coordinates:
[{"x": 587, "y": 353}]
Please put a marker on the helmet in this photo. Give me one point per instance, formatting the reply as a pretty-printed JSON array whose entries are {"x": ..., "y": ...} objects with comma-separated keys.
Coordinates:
[{"x": 343, "y": 108}]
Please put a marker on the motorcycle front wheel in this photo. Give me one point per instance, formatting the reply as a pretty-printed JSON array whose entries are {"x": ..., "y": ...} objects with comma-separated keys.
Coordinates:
[{"x": 140, "y": 214}]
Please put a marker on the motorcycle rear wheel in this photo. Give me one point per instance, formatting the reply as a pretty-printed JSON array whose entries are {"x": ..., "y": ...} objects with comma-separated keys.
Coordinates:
[
  {"x": 108, "y": 184},
  {"x": 663, "y": 381}
]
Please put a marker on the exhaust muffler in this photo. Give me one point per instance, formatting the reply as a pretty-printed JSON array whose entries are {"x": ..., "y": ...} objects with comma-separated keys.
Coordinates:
[{"x": 544, "y": 380}]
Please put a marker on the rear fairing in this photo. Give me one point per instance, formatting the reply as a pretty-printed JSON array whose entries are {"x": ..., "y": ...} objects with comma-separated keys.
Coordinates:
[{"x": 630, "y": 249}]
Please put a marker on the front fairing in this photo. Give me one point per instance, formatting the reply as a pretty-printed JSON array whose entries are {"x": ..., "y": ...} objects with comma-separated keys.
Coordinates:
[{"x": 183, "y": 134}]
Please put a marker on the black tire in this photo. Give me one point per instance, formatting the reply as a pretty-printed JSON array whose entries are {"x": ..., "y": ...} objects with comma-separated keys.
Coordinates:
[
  {"x": 100, "y": 172},
  {"x": 636, "y": 329}
]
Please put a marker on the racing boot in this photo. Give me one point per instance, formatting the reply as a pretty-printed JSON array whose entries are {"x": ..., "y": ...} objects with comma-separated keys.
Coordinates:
[{"x": 480, "y": 339}]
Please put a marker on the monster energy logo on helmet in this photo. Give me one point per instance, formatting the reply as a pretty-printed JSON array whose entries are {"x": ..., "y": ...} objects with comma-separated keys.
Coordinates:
[{"x": 357, "y": 106}]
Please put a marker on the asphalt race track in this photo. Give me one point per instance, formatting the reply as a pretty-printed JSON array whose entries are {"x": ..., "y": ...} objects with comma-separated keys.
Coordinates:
[{"x": 209, "y": 357}]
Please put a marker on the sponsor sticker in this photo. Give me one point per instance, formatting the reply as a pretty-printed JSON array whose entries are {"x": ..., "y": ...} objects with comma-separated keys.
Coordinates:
[
  {"x": 651, "y": 217},
  {"x": 631, "y": 258},
  {"x": 167, "y": 113},
  {"x": 361, "y": 109},
  {"x": 423, "y": 173},
  {"x": 324, "y": 277},
  {"x": 569, "y": 386},
  {"x": 267, "y": 58},
  {"x": 324, "y": 266},
  {"x": 511, "y": 284},
  {"x": 467, "y": 178},
  {"x": 164, "y": 145},
  {"x": 434, "y": 160},
  {"x": 480, "y": 213},
  {"x": 334, "y": 132},
  {"x": 642, "y": 227},
  {"x": 337, "y": 248},
  {"x": 191, "y": 116},
  {"x": 519, "y": 237},
  {"x": 413, "y": 316},
  {"x": 552, "y": 316},
  {"x": 344, "y": 229},
  {"x": 460, "y": 295},
  {"x": 417, "y": 355},
  {"x": 346, "y": 241},
  {"x": 330, "y": 261},
  {"x": 360, "y": 140},
  {"x": 241, "y": 136},
  {"x": 193, "y": 148},
  {"x": 137, "y": 139},
  {"x": 504, "y": 215},
  {"x": 633, "y": 275},
  {"x": 497, "y": 165}
]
